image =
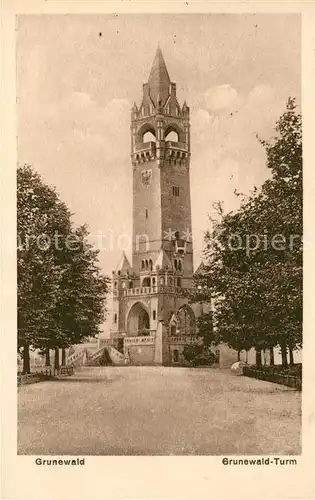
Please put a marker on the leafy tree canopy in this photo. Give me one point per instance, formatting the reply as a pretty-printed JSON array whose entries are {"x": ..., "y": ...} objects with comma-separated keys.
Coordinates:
[
  {"x": 61, "y": 290},
  {"x": 253, "y": 256}
]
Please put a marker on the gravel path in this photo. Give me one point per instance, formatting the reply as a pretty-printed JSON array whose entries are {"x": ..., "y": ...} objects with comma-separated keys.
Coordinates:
[{"x": 157, "y": 411}]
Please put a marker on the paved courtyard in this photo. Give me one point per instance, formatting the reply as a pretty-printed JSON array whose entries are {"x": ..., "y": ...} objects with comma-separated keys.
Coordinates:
[{"x": 157, "y": 411}]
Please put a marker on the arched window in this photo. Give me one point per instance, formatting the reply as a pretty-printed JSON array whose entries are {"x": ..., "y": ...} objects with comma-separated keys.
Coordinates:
[
  {"x": 146, "y": 264},
  {"x": 150, "y": 264},
  {"x": 115, "y": 284},
  {"x": 175, "y": 355},
  {"x": 153, "y": 281},
  {"x": 179, "y": 265},
  {"x": 115, "y": 318},
  {"x": 149, "y": 137},
  {"x": 142, "y": 264},
  {"x": 175, "y": 264},
  {"x": 130, "y": 284},
  {"x": 146, "y": 282},
  {"x": 173, "y": 330},
  {"x": 186, "y": 321},
  {"x": 154, "y": 315},
  {"x": 179, "y": 282},
  {"x": 172, "y": 136}
]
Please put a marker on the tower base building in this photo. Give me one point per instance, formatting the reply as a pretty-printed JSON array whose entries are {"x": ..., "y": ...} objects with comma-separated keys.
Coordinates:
[{"x": 152, "y": 320}]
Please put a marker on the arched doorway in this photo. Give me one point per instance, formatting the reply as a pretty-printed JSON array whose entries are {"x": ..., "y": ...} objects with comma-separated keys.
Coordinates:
[{"x": 138, "y": 321}]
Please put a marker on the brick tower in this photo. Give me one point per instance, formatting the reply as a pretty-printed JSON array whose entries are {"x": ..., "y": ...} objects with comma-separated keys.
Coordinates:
[{"x": 152, "y": 320}]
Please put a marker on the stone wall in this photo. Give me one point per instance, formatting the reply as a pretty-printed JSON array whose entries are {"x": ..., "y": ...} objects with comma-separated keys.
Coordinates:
[{"x": 141, "y": 354}]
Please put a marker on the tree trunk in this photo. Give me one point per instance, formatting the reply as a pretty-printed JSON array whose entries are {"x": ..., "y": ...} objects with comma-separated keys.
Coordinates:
[
  {"x": 246, "y": 359},
  {"x": 258, "y": 357},
  {"x": 47, "y": 356},
  {"x": 238, "y": 355},
  {"x": 63, "y": 357},
  {"x": 291, "y": 356},
  {"x": 26, "y": 358},
  {"x": 284, "y": 355},
  {"x": 57, "y": 359},
  {"x": 272, "y": 356}
]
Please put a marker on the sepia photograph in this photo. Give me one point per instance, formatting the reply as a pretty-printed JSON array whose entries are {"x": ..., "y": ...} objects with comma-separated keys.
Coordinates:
[{"x": 159, "y": 235}]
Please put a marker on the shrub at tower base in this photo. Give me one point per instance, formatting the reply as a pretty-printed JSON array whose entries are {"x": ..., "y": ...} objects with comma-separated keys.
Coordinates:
[
  {"x": 61, "y": 291},
  {"x": 253, "y": 256},
  {"x": 198, "y": 354}
]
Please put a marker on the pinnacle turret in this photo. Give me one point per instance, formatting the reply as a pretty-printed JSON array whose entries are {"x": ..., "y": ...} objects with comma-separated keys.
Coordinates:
[{"x": 123, "y": 266}]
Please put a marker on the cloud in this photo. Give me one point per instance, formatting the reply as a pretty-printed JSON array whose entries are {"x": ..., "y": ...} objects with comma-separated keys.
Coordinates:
[
  {"x": 83, "y": 111},
  {"x": 226, "y": 155},
  {"x": 260, "y": 94},
  {"x": 220, "y": 98},
  {"x": 80, "y": 100},
  {"x": 90, "y": 127},
  {"x": 233, "y": 130}
]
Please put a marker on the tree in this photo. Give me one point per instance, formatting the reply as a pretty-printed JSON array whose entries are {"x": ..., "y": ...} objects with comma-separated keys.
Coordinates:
[
  {"x": 205, "y": 328},
  {"x": 253, "y": 256},
  {"x": 39, "y": 212},
  {"x": 61, "y": 291},
  {"x": 82, "y": 293}
]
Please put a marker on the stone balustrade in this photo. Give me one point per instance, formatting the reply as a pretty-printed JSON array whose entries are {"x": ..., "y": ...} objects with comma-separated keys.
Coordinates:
[
  {"x": 182, "y": 339},
  {"x": 146, "y": 146},
  {"x": 143, "y": 290},
  {"x": 176, "y": 145},
  {"x": 139, "y": 340},
  {"x": 150, "y": 290}
]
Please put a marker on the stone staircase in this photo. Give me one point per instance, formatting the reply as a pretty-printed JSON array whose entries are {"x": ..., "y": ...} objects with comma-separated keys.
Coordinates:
[
  {"x": 78, "y": 358},
  {"x": 106, "y": 355},
  {"x": 99, "y": 358},
  {"x": 117, "y": 357}
]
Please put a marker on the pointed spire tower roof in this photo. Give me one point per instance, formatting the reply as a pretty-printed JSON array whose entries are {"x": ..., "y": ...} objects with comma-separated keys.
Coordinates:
[
  {"x": 123, "y": 265},
  {"x": 159, "y": 80},
  {"x": 162, "y": 260}
]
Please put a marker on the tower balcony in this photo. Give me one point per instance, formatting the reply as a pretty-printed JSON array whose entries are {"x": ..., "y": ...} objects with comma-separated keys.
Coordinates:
[
  {"x": 152, "y": 290},
  {"x": 145, "y": 147},
  {"x": 143, "y": 290},
  {"x": 176, "y": 146},
  {"x": 144, "y": 152}
]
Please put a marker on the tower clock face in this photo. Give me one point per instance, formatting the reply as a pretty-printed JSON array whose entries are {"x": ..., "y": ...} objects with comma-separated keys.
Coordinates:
[{"x": 146, "y": 177}]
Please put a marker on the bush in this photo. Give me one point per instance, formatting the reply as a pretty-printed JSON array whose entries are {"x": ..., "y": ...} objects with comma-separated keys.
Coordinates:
[
  {"x": 191, "y": 351},
  {"x": 198, "y": 355},
  {"x": 290, "y": 376},
  {"x": 295, "y": 370},
  {"x": 204, "y": 358}
]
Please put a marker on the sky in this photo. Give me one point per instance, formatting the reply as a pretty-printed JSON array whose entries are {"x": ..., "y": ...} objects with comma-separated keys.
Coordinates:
[{"x": 78, "y": 76}]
